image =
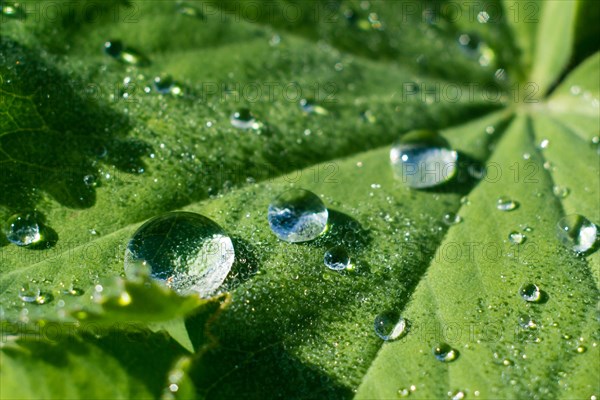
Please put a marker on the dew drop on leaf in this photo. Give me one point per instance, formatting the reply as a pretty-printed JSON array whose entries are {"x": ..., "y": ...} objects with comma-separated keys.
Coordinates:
[
  {"x": 187, "y": 251},
  {"x": 452, "y": 218},
  {"x": 29, "y": 293},
  {"x": 443, "y": 352},
  {"x": 389, "y": 326},
  {"x": 166, "y": 85},
  {"x": 423, "y": 159},
  {"x": 12, "y": 10},
  {"x": 244, "y": 119},
  {"x": 505, "y": 203},
  {"x": 117, "y": 50},
  {"x": 24, "y": 229},
  {"x": 530, "y": 292},
  {"x": 297, "y": 215},
  {"x": 337, "y": 258},
  {"x": 560, "y": 191},
  {"x": 516, "y": 237},
  {"x": 577, "y": 232}
]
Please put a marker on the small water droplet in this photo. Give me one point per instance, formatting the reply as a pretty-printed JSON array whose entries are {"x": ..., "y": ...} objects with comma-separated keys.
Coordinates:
[
  {"x": 166, "y": 85},
  {"x": 297, "y": 216},
  {"x": 24, "y": 229},
  {"x": 310, "y": 106},
  {"x": 403, "y": 392},
  {"x": 29, "y": 293},
  {"x": 44, "y": 298},
  {"x": 561, "y": 191},
  {"x": 505, "y": 203},
  {"x": 244, "y": 119},
  {"x": 530, "y": 292},
  {"x": 459, "y": 395},
  {"x": 423, "y": 159},
  {"x": 443, "y": 352},
  {"x": 187, "y": 251},
  {"x": 12, "y": 10},
  {"x": 126, "y": 55},
  {"x": 526, "y": 322},
  {"x": 452, "y": 218},
  {"x": 581, "y": 349},
  {"x": 389, "y": 326},
  {"x": 516, "y": 237},
  {"x": 544, "y": 143},
  {"x": 337, "y": 258},
  {"x": 577, "y": 233},
  {"x": 90, "y": 181},
  {"x": 190, "y": 10}
]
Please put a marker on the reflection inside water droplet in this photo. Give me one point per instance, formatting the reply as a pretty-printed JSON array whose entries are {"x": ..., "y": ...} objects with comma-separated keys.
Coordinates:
[
  {"x": 505, "y": 203},
  {"x": 243, "y": 119}
]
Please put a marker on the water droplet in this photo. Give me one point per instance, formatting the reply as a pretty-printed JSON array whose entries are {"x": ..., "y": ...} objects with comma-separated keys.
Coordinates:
[
  {"x": 423, "y": 159},
  {"x": 12, "y": 10},
  {"x": 530, "y": 292},
  {"x": 577, "y": 232},
  {"x": 90, "y": 181},
  {"x": 581, "y": 349},
  {"x": 505, "y": 203},
  {"x": 516, "y": 237},
  {"x": 337, "y": 258},
  {"x": 24, "y": 229},
  {"x": 310, "y": 106},
  {"x": 297, "y": 216},
  {"x": 403, "y": 392},
  {"x": 561, "y": 191},
  {"x": 44, "y": 298},
  {"x": 389, "y": 326},
  {"x": 459, "y": 395},
  {"x": 443, "y": 352},
  {"x": 452, "y": 218},
  {"x": 186, "y": 251},
  {"x": 29, "y": 293},
  {"x": 166, "y": 85},
  {"x": 243, "y": 119},
  {"x": 126, "y": 55},
  {"x": 190, "y": 10},
  {"x": 526, "y": 322},
  {"x": 544, "y": 143}
]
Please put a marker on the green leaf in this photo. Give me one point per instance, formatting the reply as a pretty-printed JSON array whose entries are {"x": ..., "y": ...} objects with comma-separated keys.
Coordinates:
[{"x": 84, "y": 145}]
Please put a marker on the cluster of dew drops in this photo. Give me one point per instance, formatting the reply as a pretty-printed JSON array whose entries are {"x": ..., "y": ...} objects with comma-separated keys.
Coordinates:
[{"x": 198, "y": 257}]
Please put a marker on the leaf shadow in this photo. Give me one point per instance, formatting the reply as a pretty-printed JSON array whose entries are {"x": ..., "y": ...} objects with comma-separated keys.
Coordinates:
[{"x": 55, "y": 135}]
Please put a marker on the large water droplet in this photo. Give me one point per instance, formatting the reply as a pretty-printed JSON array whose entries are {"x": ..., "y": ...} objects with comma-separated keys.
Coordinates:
[
  {"x": 24, "y": 229},
  {"x": 443, "y": 352},
  {"x": 423, "y": 159},
  {"x": 505, "y": 203},
  {"x": 389, "y": 326},
  {"x": 29, "y": 293},
  {"x": 244, "y": 119},
  {"x": 337, "y": 258},
  {"x": 530, "y": 292},
  {"x": 297, "y": 216},
  {"x": 186, "y": 251},
  {"x": 577, "y": 232}
]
